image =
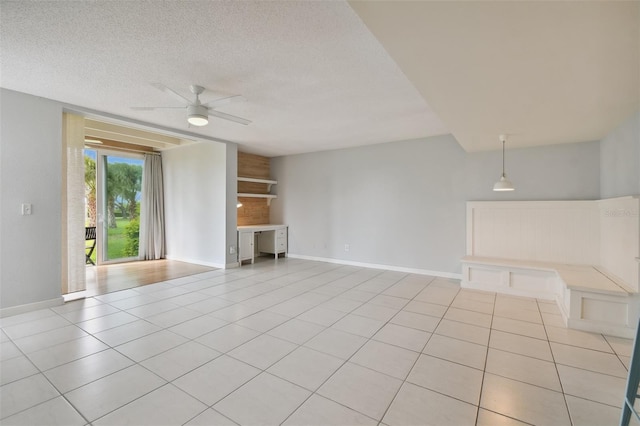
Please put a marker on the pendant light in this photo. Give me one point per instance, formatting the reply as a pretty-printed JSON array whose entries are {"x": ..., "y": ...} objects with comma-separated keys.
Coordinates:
[{"x": 503, "y": 184}]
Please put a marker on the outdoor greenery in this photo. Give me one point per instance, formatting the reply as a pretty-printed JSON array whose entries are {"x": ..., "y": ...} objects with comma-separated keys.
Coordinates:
[
  {"x": 132, "y": 237},
  {"x": 123, "y": 185},
  {"x": 118, "y": 241},
  {"x": 123, "y": 209},
  {"x": 90, "y": 189}
]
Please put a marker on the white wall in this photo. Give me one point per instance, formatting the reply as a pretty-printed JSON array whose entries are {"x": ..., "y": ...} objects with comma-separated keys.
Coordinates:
[
  {"x": 620, "y": 238},
  {"x": 620, "y": 160},
  {"x": 403, "y": 203},
  {"x": 201, "y": 201},
  {"x": 232, "y": 205},
  {"x": 541, "y": 231},
  {"x": 399, "y": 204},
  {"x": 30, "y": 172},
  {"x": 555, "y": 172},
  {"x": 195, "y": 179}
]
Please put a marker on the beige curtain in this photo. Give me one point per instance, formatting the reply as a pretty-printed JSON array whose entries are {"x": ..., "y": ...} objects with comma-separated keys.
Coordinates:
[
  {"x": 152, "y": 244},
  {"x": 73, "y": 205}
]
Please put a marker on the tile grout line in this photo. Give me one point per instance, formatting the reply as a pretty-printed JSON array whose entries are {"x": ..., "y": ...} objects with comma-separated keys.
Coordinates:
[
  {"x": 344, "y": 363},
  {"x": 312, "y": 392},
  {"x": 307, "y": 288},
  {"x": 109, "y": 347},
  {"x": 355, "y": 352},
  {"x": 421, "y": 351},
  {"x": 564, "y": 395},
  {"x": 137, "y": 363},
  {"x": 486, "y": 359},
  {"x": 615, "y": 352},
  {"x": 40, "y": 372},
  {"x": 265, "y": 332}
]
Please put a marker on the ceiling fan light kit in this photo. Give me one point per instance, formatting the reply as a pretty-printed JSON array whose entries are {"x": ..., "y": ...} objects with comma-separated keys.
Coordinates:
[
  {"x": 503, "y": 184},
  {"x": 197, "y": 115}
]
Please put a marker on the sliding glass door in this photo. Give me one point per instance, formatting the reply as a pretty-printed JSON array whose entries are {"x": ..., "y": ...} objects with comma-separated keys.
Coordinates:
[
  {"x": 119, "y": 206},
  {"x": 113, "y": 182}
]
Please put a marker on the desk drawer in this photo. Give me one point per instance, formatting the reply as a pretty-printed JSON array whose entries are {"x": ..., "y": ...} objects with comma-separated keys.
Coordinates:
[{"x": 273, "y": 241}]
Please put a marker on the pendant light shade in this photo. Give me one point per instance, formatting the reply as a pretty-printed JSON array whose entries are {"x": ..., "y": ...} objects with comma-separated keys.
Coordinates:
[{"x": 503, "y": 184}]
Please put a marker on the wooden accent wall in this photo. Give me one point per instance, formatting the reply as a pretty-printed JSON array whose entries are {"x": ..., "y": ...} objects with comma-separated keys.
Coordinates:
[
  {"x": 254, "y": 166},
  {"x": 254, "y": 211}
]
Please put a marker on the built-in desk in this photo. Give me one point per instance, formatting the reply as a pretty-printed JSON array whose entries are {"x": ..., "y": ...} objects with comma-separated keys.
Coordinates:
[{"x": 269, "y": 239}]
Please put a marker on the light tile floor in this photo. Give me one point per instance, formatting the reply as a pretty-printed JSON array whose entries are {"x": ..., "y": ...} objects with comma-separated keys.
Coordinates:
[{"x": 298, "y": 342}]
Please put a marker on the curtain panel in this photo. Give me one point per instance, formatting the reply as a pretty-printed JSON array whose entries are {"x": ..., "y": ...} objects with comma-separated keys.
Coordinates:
[{"x": 152, "y": 236}]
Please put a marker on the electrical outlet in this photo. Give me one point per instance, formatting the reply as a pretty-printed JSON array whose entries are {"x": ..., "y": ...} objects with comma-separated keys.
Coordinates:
[
  {"x": 232, "y": 250},
  {"x": 346, "y": 247},
  {"x": 26, "y": 209}
]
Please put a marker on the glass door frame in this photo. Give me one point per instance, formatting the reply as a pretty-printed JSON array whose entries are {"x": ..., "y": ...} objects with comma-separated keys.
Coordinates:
[{"x": 101, "y": 191}]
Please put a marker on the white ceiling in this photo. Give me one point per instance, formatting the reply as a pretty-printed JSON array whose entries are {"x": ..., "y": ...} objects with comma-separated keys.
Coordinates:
[
  {"x": 313, "y": 75},
  {"x": 545, "y": 72},
  {"x": 316, "y": 78}
]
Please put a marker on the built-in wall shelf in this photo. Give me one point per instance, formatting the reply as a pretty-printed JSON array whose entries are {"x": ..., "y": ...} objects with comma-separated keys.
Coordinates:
[
  {"x": 254, "y": 184},
  {"x": 254, "y": 180},
  {"x": 269, "y": 197}
]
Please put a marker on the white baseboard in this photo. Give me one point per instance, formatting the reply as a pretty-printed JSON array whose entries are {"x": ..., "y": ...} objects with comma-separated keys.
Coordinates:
[
  {"x": 378, "y": 266},
  {"x": 29, "y": 307},
  {"x": 196, "y": 262},
  {"x": 76, "y": 295}
]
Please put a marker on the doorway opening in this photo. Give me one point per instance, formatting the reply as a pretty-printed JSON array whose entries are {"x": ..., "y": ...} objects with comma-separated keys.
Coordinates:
[
  {"x": 108, "y": 199},
  {"x": 113, "y": 184}
]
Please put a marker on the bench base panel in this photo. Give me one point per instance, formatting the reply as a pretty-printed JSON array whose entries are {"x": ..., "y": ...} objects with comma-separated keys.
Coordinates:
[{"x": 614, "y": 315}]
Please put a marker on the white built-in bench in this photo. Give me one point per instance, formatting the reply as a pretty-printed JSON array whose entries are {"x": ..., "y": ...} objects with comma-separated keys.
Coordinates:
[
  {"x": 582, "y": 254},
  {"x": 589, "y": 298}
]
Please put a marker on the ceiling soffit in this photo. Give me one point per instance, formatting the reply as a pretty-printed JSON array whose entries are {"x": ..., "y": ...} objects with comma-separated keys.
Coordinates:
[{"x": 543, "y": 72}]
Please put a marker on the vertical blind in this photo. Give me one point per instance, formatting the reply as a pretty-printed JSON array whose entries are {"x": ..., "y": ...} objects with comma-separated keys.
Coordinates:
[{"x": 73, "y": 226}]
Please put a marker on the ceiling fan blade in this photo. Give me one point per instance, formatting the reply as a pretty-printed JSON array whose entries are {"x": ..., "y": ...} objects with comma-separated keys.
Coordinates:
[
  {"x": 171, "y": 92},
  {"x": 229, "y": 117},
  {"x": 152, "y": 108},
  {"x": 224, "y": 101}
]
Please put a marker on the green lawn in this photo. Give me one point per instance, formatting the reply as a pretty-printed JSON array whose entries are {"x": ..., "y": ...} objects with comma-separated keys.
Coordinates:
[{"x": 116, "y": 241}]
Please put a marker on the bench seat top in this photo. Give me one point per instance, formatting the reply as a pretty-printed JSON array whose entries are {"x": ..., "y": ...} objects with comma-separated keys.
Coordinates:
[
  {"x": 513, "y": 263},
  {"x": 575, "y": 277}
]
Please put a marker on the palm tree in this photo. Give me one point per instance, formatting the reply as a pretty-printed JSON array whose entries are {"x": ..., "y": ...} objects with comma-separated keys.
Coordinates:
[
  {"x": 123, "y": 185},
  {"x": 90, "y": 188}
]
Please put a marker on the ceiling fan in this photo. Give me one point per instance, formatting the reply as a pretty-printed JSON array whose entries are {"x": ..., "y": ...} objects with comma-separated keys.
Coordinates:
[{"x": 197, "y": 112}]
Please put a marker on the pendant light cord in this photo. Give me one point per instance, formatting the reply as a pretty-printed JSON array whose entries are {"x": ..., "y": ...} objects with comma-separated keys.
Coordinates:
[{"x": 503, "y": 142}]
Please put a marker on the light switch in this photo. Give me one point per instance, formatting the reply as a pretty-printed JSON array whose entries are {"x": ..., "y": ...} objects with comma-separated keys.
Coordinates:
[{"x": 26, "y": 209}]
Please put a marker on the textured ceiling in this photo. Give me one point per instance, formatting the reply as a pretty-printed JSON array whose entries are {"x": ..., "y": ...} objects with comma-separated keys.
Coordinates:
[
  {"x": 313, "y": 75},
  {"x": 324, "y": 75},
  {"x": 545, "y": 72}
]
